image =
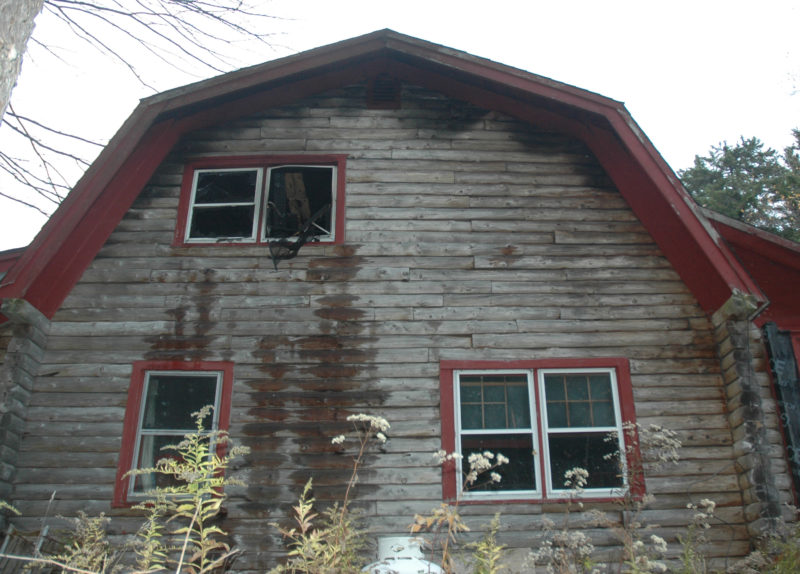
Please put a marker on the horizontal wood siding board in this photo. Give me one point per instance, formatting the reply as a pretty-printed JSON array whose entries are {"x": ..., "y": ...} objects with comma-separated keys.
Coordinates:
[{"x": 470, "y": 236}]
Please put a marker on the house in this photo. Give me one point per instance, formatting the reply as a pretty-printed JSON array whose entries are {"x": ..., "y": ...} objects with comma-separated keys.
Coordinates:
[{"x": 491, "y": 259}]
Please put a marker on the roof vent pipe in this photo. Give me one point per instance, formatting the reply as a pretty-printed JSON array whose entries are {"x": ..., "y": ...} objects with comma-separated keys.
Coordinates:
[{"x": 401, "y": 555}]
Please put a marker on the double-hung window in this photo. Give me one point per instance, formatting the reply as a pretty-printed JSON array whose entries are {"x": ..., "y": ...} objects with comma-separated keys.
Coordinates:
[
  {"x": 495, "y": 414},
  {"x": 545, "y": 417},
  {"x": 162, "y": 399},
  {"x": 262, "y": 199}
]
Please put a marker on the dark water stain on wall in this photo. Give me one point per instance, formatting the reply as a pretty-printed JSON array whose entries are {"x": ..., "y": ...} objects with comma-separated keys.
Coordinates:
[
  {"x": 192, "y": 324},
  {"x": 310, "y": 385}
]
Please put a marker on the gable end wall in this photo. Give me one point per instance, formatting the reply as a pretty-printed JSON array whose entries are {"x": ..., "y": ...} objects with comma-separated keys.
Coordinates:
[{"x": 469, "y": 236}]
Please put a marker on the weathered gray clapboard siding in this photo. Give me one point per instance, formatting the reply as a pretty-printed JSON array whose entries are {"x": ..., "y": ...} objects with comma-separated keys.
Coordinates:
[{"x": 469, "y": 235}]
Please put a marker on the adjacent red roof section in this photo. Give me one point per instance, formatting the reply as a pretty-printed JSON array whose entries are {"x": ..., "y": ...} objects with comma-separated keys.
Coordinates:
[
  {"x": 54, "y": 262},
  {"x": 8, "y": 259},
  {"x": 772, "y": 261}
]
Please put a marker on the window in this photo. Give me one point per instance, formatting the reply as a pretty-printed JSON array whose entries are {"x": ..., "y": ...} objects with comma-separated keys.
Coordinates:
[
  {"x": 161, "y": 400},
  {"x": 262, "y": 199},
  {"x": 545, "y": 417}
]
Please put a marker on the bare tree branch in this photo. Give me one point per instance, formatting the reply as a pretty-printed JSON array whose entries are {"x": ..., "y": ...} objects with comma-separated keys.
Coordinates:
[
  {"x": 52, "y": 130},
  {"x": 183, "y": 26},
  {"x": 183, "y": 34}
]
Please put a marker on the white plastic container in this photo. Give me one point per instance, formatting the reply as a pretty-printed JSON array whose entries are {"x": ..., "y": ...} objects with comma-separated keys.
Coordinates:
[{"x": 401, "y": 555}]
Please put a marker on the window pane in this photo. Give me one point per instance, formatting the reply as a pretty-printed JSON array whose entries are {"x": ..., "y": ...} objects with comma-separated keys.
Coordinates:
[
  {"x": 579, "y": 414},
  {"x": 171, "y": 400},
  {"x": 501, "y": 401},
  {"x": 557, "y": 414},
  {"x": 495, "y": 416},
  {"x": 470, "y": 392},
  {"x": 579, "y": 400},
  {"x": 603, "y": 414},
  {"x": 494, "y": 393},
  {"x": 295, "y": 194},
  {"x": 587, "y": 451},
  {"x": 600, "y": 387},
  {"x": 518, "y": 408},
  {"x": 518, "y": 474},
  {"x": 150, "y": 452},
  {"x": 226, "y": 187},
  {"x": 577, "y": 388},
  {"x": 222, "y": 222},
  {"x": 471, "y": 417},
  {"x": 554, "y": 387}
]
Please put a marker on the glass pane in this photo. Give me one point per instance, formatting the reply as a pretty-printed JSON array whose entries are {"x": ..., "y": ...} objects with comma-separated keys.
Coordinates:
[
  {"x": 494, "y": 393},
  {"x": 518, "y": 474},
  {"x": 222, "y": 222},
  {"x": 501, "y": 398},
  {"x": 603, "y": 414},
  {"x": 470, "y": 392},
  {"x": 554, "y": 387},
  {"x": 495, "y": 416},
  {"x": 600, "y": 387},
  {"x": 150, "y": 452},
  {"x": 295, "y": 194},
  {"x": 579, "y": 414},
  {"x": 518, "y": 408},
  {"x": 171, "y": 400},
  {"x": 226, "y": 187},
  {"x": 577, "y": 388},
  {"x": 587, "y": 451},
  {"x": 557, "y": 414},
  {"x": 588, "y": 402},
  {"x": 471, "y": 417}
]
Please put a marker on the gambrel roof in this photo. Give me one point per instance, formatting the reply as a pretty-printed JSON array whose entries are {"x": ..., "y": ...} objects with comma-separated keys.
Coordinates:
[{"x": 57, "y": 257}]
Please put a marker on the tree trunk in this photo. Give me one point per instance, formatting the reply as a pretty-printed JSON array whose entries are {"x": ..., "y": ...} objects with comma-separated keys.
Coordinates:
[{"x": 16, "y": 26}]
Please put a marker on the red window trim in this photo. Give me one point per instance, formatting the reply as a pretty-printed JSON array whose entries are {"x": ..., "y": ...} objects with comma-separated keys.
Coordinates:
[
  {"x": 265, "y": 161},
  {"x": 447, "y": 412},
  {"x": 134, "y": 404}
]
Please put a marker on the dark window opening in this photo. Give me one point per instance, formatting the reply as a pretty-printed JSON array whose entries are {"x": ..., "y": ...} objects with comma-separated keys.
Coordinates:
[
  {"x": 592, "y": 452},
  {"x": 295, "y": 195}
]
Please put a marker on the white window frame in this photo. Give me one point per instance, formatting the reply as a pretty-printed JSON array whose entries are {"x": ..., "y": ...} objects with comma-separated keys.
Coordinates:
[
  {"x": 462, "y": 464},
  {"x": 258, "y": 193},
  {"x": 540, "y": 458},
  {"x": 178, "y": 433},
  {"x": 559, "y": 490},
  {"x": 260, "y": 204}
]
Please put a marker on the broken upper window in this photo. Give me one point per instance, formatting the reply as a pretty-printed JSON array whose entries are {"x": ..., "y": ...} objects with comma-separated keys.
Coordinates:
[
  {"x": 299, "y": 196},
  {"x": 262, "y": 203}
]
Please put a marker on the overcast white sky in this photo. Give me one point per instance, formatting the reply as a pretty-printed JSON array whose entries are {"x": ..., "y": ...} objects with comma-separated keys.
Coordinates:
[{"x": 692, "y": 73}]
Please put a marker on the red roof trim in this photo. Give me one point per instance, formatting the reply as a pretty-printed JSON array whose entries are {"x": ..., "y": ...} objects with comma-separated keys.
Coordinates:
[
  {"x": 772, "y": 262},
  {"x": 767, "y": 244},
  {"x": 71, "y": 247},
  {"x": 9, "y": 257}
]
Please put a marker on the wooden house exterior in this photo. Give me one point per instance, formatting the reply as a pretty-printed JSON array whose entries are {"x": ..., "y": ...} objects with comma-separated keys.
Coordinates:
[{"x": 483, "y": 222}]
